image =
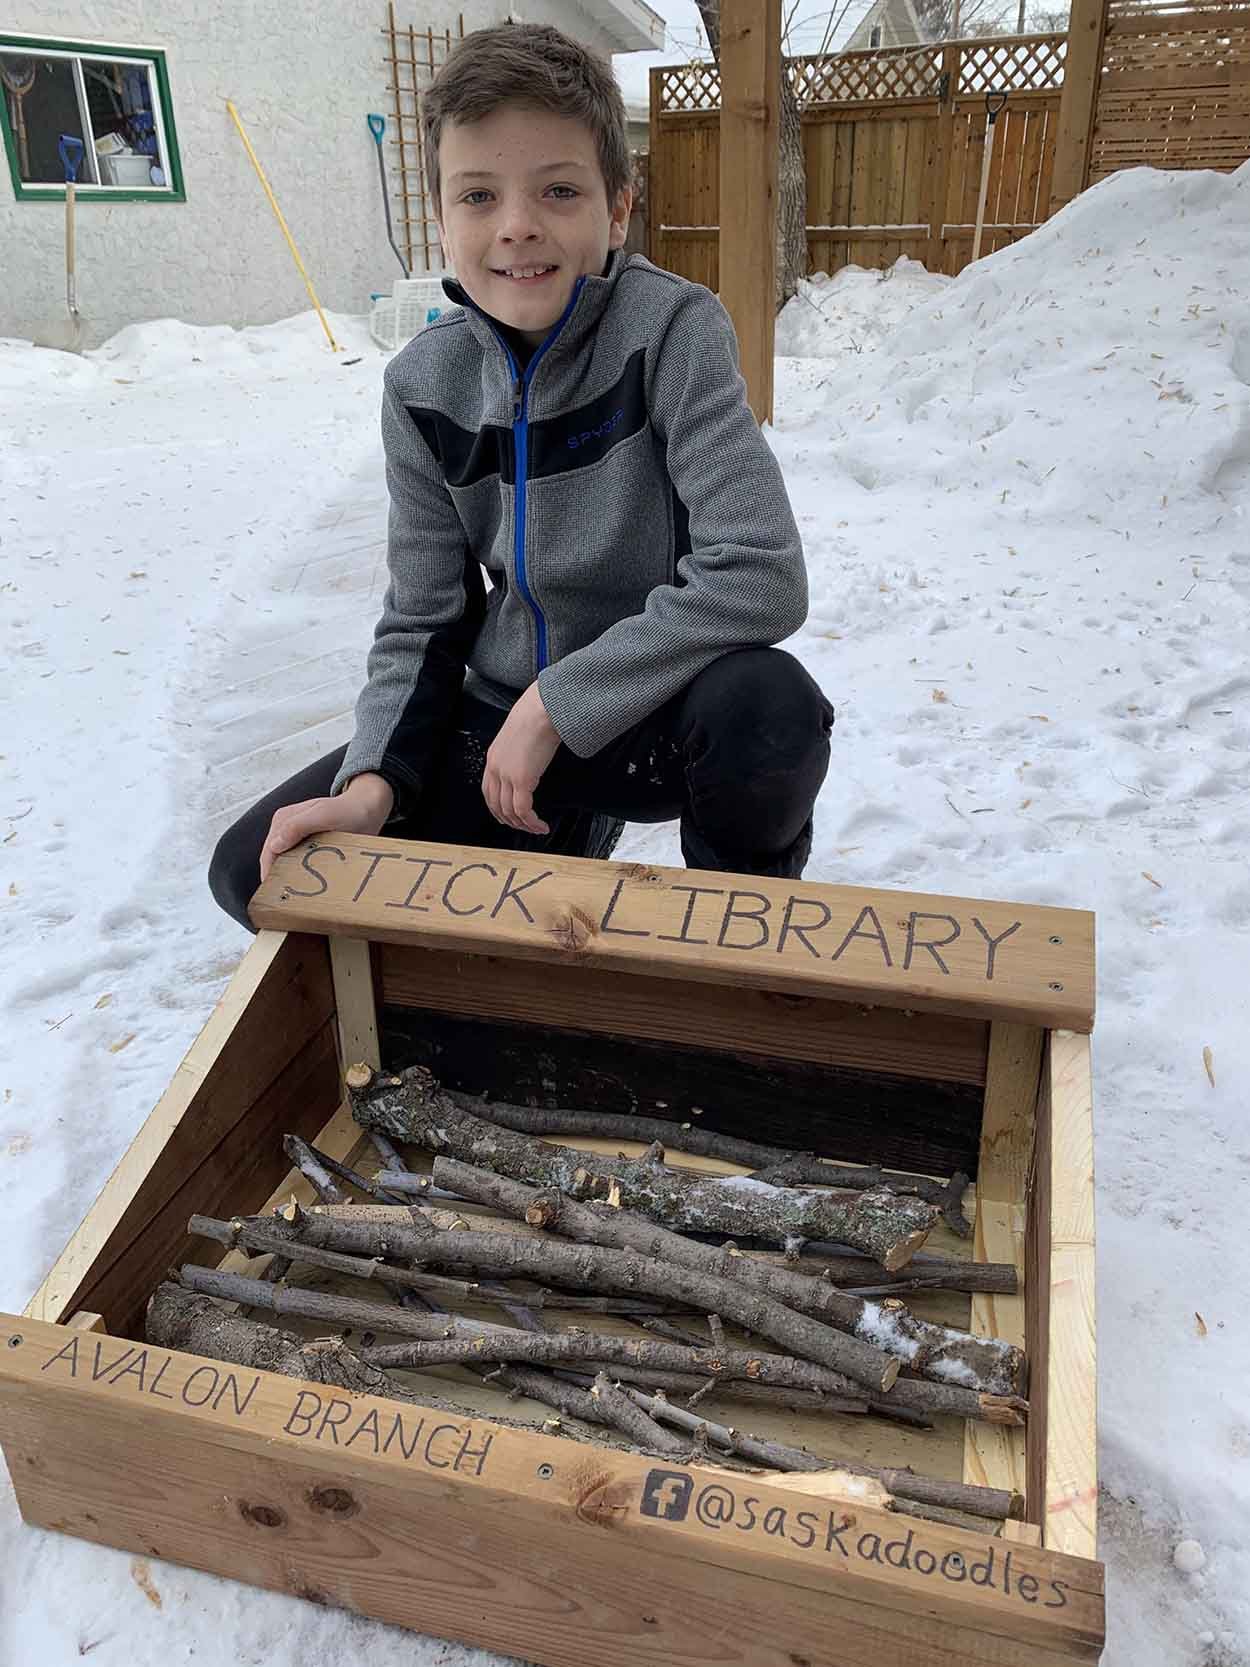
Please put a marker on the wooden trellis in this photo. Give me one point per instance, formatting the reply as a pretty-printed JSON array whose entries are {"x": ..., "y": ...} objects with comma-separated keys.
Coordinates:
[{"x": 413, "y": 57}]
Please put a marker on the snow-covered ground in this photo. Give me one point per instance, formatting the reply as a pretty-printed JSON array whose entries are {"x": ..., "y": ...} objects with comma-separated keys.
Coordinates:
[{"x": 1025, "y": 496}]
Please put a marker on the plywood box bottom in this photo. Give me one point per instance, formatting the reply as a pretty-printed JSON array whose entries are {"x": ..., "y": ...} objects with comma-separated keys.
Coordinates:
[{"x": 543, "y": 1548}]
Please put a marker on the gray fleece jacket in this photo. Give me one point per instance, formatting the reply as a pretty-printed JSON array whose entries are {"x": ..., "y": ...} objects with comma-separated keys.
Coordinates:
[{"x": 624, "y": 506}]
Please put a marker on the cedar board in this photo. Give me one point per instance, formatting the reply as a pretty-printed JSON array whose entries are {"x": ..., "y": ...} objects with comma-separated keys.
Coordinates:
[{"x": 243, "y": 1473}]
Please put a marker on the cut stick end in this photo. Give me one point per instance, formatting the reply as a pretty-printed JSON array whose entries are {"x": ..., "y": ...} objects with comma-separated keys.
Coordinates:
[
  {"x": 898, "y": 1255},
  {"x": 358, "y": 1076},
  {"x": 1003, "y": 1409}
]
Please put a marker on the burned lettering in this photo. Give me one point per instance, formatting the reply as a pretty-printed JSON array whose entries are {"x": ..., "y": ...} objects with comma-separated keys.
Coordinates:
[
  {"x": 511, "y": 893},
  {"x": 695, "y": 892},
  {"x": 376, "y": 857},
  {"x": 315, "y": 850},
  {"x": 426, "y": 863}
]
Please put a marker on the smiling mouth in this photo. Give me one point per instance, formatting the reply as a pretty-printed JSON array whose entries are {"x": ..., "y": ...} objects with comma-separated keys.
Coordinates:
[{"x": 525, "y": 274}]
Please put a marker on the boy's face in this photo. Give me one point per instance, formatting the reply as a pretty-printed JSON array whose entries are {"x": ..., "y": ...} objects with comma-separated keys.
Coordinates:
[{"x": 522, "y": 191}]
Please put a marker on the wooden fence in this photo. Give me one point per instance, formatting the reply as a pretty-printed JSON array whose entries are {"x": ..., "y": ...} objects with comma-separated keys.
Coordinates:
[
  {"x": 893, "y": 144},
  {"x": 894, "y": 139},
  {"x": 1174, "y": 88}
]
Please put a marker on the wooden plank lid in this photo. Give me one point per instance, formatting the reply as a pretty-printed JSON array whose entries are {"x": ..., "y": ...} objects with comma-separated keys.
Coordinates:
[{"x": 957, "y": 955}]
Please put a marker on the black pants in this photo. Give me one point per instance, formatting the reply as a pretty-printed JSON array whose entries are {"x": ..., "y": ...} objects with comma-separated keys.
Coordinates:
[{"x": 738, "y": 755}]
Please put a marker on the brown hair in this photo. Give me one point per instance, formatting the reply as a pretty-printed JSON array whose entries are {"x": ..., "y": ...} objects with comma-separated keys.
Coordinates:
[{"x": 536, "y": 67}]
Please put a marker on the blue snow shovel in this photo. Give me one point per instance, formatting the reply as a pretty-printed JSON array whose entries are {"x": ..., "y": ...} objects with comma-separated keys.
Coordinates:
[
  {"x": 377, "y": 126},
  {"x": 70, "y": 149}
]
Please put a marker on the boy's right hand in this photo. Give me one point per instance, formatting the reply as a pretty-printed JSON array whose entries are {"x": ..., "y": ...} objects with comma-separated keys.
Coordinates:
[{"x": 362, "y": 807}]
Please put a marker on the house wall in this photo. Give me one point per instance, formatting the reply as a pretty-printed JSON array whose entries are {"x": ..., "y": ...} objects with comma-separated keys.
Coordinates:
[{"x": 303, "y": 81}]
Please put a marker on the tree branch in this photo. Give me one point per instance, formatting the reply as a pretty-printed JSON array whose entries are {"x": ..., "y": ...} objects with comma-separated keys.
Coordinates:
[
  {"x": 600, "y": 1269},
  {"x": 939, "y": 1352},
  {"x": 793, "y": 1168},
  {"x": 413, "y": 1107}
]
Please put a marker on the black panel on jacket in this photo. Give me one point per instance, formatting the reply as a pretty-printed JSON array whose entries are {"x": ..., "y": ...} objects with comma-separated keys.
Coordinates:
[
  {"x": 465, "y": 455},
  {"x": 556, "y": 445},
  {"x": 577, "y": 438}
]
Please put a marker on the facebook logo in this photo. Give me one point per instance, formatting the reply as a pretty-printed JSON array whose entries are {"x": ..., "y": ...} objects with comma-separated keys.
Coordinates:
[{"x": 666, "y": 1494}]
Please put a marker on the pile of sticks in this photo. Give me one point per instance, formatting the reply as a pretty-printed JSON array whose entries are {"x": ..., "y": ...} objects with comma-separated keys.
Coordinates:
[{"x": 670, "y": 1251}]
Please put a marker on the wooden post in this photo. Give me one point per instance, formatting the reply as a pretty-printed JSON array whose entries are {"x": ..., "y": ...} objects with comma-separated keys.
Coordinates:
[
  {"x": 993, "y": 1454},
  {"x": 944, "y": 136},
  {"x": 1063, "y": 1416},
  {"x": 750, "y": 71},
  {"x": 1079, "y": 102}
]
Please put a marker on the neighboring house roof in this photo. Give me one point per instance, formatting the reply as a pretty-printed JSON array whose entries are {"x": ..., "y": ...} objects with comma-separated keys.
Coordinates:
[
  {"x": 898, "y": 22},
  {"x": 633, "y": 26}
]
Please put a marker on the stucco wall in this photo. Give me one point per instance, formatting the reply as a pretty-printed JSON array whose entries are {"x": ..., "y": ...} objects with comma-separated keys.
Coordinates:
[{"x": 303, "y": 81}]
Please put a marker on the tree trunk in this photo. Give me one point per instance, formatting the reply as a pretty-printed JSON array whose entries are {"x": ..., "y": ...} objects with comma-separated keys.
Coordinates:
[
  {"x": 791, "y": 195},
  {"x": 791, "y": 171}
]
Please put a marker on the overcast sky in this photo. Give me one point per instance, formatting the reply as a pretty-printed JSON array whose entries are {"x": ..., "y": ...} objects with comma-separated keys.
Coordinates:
[{"x": 685, "y": 37}]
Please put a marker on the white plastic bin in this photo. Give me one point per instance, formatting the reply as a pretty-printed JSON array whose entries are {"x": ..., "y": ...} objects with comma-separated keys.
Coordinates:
[
  {"x": 412, "y": 304},
  {"x": 125, "y": 168},
  {"x": 417, "y": 302},
  {"x": 382, "y": 321}
]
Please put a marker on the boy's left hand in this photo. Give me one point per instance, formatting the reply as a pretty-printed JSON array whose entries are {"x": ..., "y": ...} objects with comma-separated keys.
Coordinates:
[{"x": 519, "y": 754}]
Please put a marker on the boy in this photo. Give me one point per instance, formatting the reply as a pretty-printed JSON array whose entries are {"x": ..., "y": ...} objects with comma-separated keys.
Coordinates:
[{"x": 578, "y": 428}]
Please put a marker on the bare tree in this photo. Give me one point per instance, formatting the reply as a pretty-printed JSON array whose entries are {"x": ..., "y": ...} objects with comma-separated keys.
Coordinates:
[
  {"x": 791, "y": 172},
  {"x": 1050, "y": 20},
  {"x": 942, "y": 20}
]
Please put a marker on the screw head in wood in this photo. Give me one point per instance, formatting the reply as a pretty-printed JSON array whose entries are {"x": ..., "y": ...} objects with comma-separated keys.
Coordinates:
[
  {"x": 1055, "y": 940},
  {"x": 545, "y": 1472},
  {"x": 15, "y": 1342},
  {"x": 1055, "y": 986}
]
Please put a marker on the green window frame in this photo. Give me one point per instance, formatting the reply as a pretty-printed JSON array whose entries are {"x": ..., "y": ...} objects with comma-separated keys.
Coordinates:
[{"x": 88, "y": 190}]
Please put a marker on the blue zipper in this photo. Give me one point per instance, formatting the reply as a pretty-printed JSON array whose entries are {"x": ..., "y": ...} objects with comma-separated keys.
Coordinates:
[{"x": 520, "y": 431}]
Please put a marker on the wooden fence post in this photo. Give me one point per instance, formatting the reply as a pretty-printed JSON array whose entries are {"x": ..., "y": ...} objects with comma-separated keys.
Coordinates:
[
  {"x": 1078, "y": 104},
  {"x": 943, "y": 154},
  {"x": 750, "y": 73}
]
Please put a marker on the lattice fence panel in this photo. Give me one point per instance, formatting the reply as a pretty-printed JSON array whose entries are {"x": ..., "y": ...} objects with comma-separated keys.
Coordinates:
[
  {"x": 412, "y": 57},
  {"x": 1174, "y": 88},
  {"x": 689, "y": 87},
  {"x": 857, "y": 77},
  {"x": 1016, "y": 64},
  {"x": 1012, "y": 63}
]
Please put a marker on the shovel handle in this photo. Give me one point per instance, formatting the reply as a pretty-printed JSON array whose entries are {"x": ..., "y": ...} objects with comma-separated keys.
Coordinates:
[{"x": 377, "y": 126}]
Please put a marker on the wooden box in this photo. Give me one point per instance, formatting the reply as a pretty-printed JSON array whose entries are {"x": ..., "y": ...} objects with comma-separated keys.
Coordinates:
[{"x": 919, "y": 1032}]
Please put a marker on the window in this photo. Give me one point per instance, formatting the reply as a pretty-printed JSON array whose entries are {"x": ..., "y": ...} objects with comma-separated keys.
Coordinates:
[
  {"x": 101, "y": 113},
  {"x": 874, "y": 39}
]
